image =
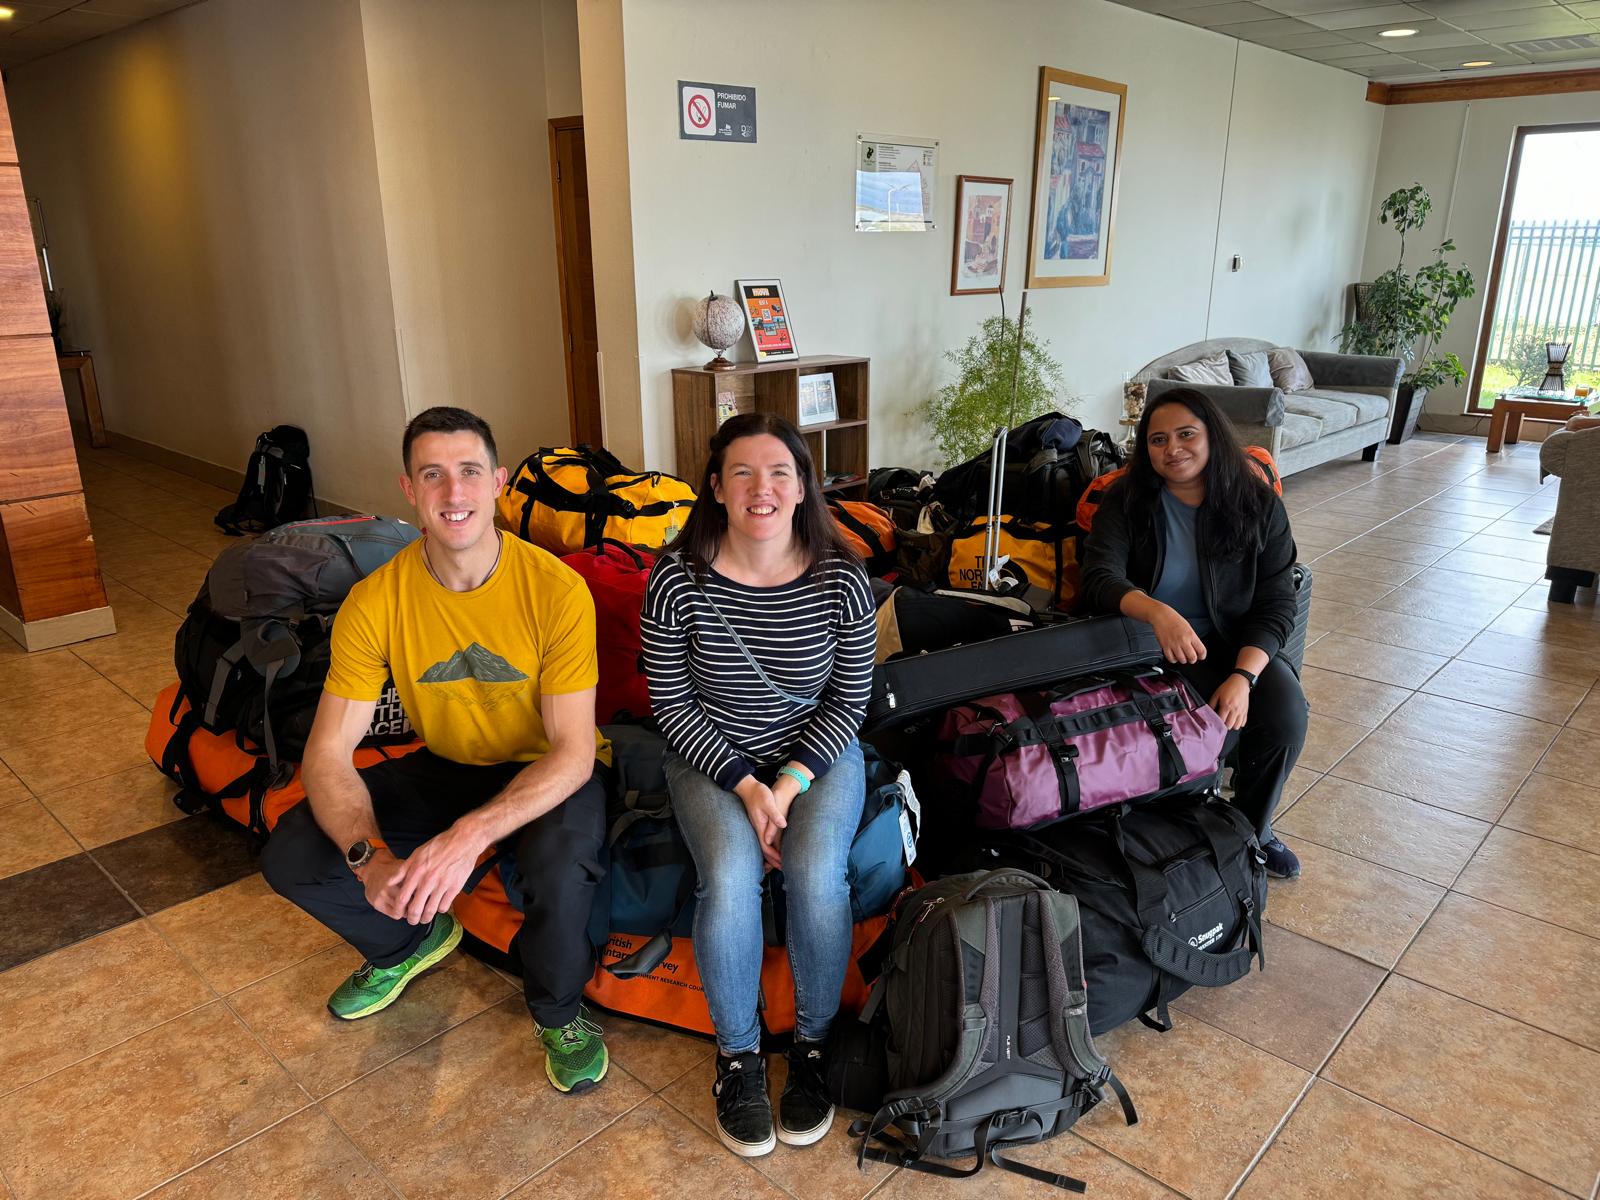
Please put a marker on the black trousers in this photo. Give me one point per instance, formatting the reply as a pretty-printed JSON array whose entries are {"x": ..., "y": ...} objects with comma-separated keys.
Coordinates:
[
  {"x": 417, "y": 796},
  {"x": 1274, "y": 733}
]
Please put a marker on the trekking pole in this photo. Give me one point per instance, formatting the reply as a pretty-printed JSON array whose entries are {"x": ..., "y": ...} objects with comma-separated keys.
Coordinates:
[{"x": 993, "y": 560}]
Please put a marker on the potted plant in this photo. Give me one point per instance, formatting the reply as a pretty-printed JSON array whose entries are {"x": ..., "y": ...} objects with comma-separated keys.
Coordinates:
[
  {"x": 1404, "y": 315},
  {"x": 989, "y": 389}
]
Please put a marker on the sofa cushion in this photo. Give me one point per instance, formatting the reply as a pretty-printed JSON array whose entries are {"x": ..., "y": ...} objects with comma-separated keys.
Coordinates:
[
  {"x": 1298, "y": 429},
  {"x": 1333, "y": 414},
  {"x": 1289, "y": 370},
  {"x": 1203, "y": 370},
  {"x": 1250, "y": 370},
  {"x": 1367, "y": 406}
]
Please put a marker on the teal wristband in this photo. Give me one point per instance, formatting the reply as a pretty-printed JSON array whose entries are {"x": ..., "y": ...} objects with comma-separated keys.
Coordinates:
[{"x": 798, "y": 776}]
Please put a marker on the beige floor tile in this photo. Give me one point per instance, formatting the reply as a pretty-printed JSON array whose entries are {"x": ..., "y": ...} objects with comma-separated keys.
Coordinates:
[
  {"x": 824, "y": 1170},
  {"x": 1474, "y": 784},
  {"x": 29, "y": 676},
  {"x": 434, "y": 1124},
  {"x": 27, "y": 719},
  {"x": 31, "y": 837},
  {"x": 1322, "y": 523},
  {"x": 1467, "y": 506},
  {"x": 305, "y": 1156},
  {"x": 1328, "y": 739},
  {"x": 1577, "y": 633},
  {"x": 115, "y": 806},
  {"x": 1349, "y": 655},
  {"x": 241, "y": 933},
  {"x": 146, "y": 682},
  {"x": 1328, "y": 614},
  {"x": 70, "y": 1005},
  {"x": 1349, "y": 561},
  {"x": 1406, "y": 528},
  {"x": 1350, "y": 904},
  {"x": 1531, "y": 656},
  {"x": 652, "y": 1055},
  {"x": 1492, "y": 566},
  {"x": 288, "y": 1012},
  {"x": 1298, "y": 1008},
  {"x": 130, "y": 649},
  {"x": 1482, "y": 952},
  {"x": 1407, "y": 631},
  {"x": 1555, "y": 883},
  {"x": 12, "y": 790},
  {"x": 139, "y": 1113},
  {"x": 1574, "y": 755},
  {"x": 1299, "y": 781},
  {"x": 1419, "y": 601},
  {"x": 1416, "y": 521},
  {"x": 1338, "y": 1146},
  {"x": 1348, "y": 698},
  {"x": 79, "y": 754},
  {"x": 1587, "y": 718},
  {"x": 653, "y": 1142},
  {"x": 1106, "y": 1176},
  {"x": 1346, "y": 589},
  {"x": 1398, "y": 549},
  {"x": 1248, "y": 1091},
  {"x": 1392, "y": 831},
  {"x": 1450, "y": 1065},
  {"x": 1559, "y": 810},
  {"x": 1533, "y": 550},
  {"x": 1508, "y": 691},
  {"x": 1515, "y": 740}
]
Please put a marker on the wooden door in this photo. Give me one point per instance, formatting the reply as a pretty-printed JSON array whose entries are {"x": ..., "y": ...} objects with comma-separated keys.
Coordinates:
[{"x": 575, "y": 262}]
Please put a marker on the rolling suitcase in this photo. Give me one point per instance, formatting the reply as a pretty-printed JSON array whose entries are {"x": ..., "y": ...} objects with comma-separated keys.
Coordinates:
[{"x": 1294, "y": 650}]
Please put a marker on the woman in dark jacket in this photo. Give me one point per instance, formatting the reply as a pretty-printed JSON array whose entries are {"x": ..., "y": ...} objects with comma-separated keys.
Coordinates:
[{"x": 1194, "y": 542}]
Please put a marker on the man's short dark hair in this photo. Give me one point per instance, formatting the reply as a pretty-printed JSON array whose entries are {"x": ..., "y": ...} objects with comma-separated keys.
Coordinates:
[{"x": 444, "y": 419}]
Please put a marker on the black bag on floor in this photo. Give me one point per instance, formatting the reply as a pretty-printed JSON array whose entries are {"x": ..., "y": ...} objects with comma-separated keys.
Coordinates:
[
  {"x": 914, "y": 620},
  {"x": 1171, "y": 895},
  {"x": 989, "y": 1044},
  {"x": 1033, "y": 450},
  {"x": 277, "y": 484}
]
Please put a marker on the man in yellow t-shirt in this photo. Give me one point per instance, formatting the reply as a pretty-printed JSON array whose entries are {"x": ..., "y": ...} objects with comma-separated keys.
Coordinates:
[{"x": 490, "y": 642}]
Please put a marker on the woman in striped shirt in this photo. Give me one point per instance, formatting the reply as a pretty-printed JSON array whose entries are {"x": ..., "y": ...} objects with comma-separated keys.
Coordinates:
[{"x": 759, "y": 634}]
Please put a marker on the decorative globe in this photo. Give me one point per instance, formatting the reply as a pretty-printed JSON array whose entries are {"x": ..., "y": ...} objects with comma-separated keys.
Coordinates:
[{"x": 719, "y": 324}]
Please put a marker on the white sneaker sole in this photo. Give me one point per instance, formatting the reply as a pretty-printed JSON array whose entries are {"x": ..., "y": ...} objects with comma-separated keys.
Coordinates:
[
  {"x": 747, "y": 1149},
  {"x": 806, "y": 1137}
]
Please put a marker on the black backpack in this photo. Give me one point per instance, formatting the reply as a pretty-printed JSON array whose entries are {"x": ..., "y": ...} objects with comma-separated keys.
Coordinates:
[
  {"x": 988, "y": 1033},
  {"x": 277, "y": 484},
  {"x": 1171, "y": 895}
]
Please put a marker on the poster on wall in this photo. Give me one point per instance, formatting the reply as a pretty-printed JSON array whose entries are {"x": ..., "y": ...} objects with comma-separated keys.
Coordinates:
[
  {"x": 767, "y": 318},
  {"x": 718, "y": 112},
  {"x": 1076, "y": 160},
  {"x": 894, "y": 184},
  {"x": 983, "y": 233}
]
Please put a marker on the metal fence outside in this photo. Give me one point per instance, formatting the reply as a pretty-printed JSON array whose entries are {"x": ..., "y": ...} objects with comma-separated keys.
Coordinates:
[{"x": 1549, "y": 291}]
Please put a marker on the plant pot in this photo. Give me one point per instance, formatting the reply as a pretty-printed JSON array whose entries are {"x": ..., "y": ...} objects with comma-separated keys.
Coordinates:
[{"x": 1407, "y": 411}]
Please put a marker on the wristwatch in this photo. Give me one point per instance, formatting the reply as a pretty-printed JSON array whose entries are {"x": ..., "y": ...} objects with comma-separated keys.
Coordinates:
[
  {"x": 1248, "y": 677},
  {"x": 361, "y": 853}
]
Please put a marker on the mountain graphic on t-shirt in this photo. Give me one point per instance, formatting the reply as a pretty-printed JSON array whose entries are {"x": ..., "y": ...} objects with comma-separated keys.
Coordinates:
[{"x": 474, "y": 662}]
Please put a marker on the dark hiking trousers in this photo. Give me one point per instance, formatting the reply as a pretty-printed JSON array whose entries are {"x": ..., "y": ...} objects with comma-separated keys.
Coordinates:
[
  {"x": 1273, "y": 735},
  {"x": 559, "y": 857}
]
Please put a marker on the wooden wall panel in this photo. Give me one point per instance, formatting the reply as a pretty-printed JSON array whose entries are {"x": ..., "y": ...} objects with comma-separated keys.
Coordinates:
[
  {"x": 22, "y": 308},
  {"x": 8, "y": 143},
  {"x": 51, "y": 550},
  {"x": 36, "y": 455}
]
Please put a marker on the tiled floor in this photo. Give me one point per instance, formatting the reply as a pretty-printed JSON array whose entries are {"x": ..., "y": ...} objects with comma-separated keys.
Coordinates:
[{"x": 1428, "y": 1025}]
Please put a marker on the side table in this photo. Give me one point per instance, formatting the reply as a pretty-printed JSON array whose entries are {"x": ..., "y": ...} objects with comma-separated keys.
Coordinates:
[
  {"x": 81, "y": 362},
  {"x": 1505, "y": 425}
]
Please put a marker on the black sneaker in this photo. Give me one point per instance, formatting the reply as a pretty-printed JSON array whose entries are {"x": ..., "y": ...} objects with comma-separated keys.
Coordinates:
[
  {"x": 805, "y": 1112},
  {"x": 744, "y": 1114},
  {"x": 1281, "y": 861}
]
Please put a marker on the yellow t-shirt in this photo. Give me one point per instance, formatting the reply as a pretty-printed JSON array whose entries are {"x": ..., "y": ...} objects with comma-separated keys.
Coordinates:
[{"x": 470, "y": 667}]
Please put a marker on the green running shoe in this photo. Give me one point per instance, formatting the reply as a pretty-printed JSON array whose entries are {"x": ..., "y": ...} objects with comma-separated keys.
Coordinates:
[
  {"x": 575, "y": 1057},
  {"x": 374, "y": 988}
]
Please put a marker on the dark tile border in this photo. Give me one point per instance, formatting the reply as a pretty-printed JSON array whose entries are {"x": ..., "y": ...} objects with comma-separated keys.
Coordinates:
[
  {"x": 178, "y": 861},
  {"x": 56, "y": 905}
]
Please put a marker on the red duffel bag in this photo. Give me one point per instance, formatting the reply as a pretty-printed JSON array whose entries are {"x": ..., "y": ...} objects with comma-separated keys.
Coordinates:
[{"x": 616, "y": 574}]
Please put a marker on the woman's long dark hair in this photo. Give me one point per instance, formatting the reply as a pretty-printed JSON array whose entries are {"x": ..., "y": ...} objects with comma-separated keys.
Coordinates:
[
  {"x": 1237, "y": 498},
  {"x": 814, "y": 527}
]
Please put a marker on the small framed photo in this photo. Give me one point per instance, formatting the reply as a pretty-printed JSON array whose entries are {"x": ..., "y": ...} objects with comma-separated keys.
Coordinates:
[
  {"x": 767, "y": 317},
  {"x": 819, "y": 403},
  {"x": 983, "y": 234}
]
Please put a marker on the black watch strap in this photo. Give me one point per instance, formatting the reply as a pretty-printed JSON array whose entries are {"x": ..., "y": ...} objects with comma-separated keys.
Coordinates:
[{"x": 1249, "y": 677}]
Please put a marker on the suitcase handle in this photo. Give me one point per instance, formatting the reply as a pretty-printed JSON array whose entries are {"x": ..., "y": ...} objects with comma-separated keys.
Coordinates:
[
  {"x": 1176, "y": 957},
  {"x": 1012, "y": 875},
  {"x": 638, "y": 559}
]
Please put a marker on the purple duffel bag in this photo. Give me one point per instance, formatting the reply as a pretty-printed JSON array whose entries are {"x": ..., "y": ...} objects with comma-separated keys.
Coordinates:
[{"x": 1032, "y": 758}]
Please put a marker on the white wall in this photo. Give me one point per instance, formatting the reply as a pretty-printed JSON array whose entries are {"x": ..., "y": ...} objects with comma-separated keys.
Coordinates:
[
  {"x": 968, "y": 75},
  {"x": 1460, "y": 152}
]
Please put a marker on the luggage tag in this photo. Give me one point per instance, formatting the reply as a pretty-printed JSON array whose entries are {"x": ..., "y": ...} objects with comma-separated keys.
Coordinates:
[{"x": 910, "y": 817}]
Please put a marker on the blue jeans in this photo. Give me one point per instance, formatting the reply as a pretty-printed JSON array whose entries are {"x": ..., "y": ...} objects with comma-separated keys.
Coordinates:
[{"x": 727, "y": 920}]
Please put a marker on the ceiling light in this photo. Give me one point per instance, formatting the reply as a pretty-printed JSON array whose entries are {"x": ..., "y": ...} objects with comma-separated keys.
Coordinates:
[
  {"x": 1396, "y": 32},
  {"x": 1482, "y": 62},
  {"x": 7, "y": 13}
]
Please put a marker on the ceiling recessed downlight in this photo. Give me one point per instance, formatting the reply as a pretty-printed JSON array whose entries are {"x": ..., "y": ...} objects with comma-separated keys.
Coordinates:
[
  {"x": 1396, "y": 33},
  {"x": 1481, "y": 62},
  {"x": 7, "y": 13}
]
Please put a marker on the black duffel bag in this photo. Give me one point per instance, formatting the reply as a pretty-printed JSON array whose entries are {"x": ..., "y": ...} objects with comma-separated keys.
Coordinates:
[{"x": 1171, "y": 896}]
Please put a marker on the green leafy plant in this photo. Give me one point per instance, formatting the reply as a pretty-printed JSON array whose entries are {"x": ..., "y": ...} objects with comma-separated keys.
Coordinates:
[
  {"x": 1403, "y": 314},
  {"x": 965, "y": 413}
]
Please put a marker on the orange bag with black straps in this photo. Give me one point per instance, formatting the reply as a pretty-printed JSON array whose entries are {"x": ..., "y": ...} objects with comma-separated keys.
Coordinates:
[
  {"x": 869, "y": 530},
  {"x": 1089, "y": 503}
]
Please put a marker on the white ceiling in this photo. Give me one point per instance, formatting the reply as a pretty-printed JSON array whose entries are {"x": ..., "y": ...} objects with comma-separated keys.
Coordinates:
[
  {"x": 1344, "y": 33},
  {"x": 42, "y": 27}
]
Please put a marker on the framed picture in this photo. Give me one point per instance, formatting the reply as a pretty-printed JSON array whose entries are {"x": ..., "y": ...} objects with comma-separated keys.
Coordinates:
[
  {"x": 819, "y": 403},
  {"x": 1077, "y": 156},
  {"x": 983, "y": 234},
  {"x": 767, "y": 318}
]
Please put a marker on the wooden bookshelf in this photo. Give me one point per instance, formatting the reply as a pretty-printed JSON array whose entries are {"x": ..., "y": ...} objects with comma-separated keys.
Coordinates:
[{"x": 839, "y": 447}]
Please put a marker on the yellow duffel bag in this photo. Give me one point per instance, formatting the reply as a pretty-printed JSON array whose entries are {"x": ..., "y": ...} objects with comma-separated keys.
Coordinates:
[
  {"x": 565, "y": 500},
  {"x": 1043, "y": 562}
]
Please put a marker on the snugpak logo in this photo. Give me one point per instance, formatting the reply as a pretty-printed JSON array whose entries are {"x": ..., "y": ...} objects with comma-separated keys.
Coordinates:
[{"x": 1201, "y": 940}]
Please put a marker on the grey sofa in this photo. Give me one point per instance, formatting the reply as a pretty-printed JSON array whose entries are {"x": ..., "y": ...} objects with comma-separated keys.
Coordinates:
[
  {"x": 1574, "y": 556},
  {"x": 1346, "y": 409}
]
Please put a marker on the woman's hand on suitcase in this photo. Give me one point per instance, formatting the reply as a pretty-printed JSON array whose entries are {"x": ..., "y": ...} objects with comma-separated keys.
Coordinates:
[
  {"x": 1179, "y": 642},
  {"x": 1232, "y": 701},
  {"x": 768, "y": 817}
]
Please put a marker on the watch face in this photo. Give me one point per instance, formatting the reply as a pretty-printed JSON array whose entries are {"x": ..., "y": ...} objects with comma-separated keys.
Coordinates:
[{"x": 359, "y": 853}]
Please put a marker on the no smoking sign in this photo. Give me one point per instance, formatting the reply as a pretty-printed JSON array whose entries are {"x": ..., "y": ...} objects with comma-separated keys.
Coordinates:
[{"x": 716, "y": 112}]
